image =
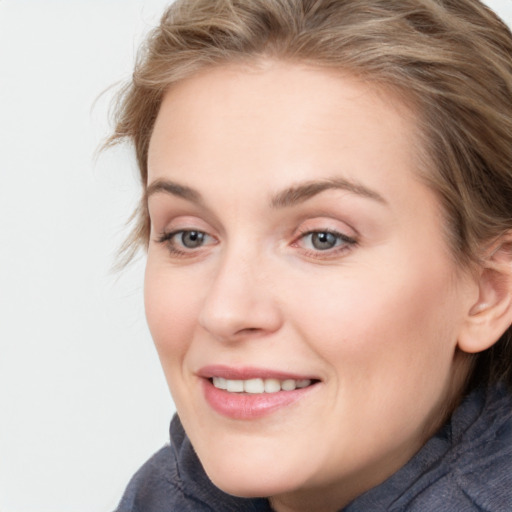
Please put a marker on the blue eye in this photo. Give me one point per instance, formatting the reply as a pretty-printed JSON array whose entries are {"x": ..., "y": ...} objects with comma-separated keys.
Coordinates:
[
  {"x": 322, "y": 241},
  {"x": 184, "y": 241},
  {"x": 191, "y": 239}
]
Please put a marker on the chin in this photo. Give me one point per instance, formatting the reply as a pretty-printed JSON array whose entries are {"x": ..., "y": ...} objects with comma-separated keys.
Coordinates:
[{"x": 252, "y": 482}]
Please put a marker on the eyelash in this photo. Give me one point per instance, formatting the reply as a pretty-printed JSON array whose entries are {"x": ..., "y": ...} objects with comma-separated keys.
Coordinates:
[
  {"x": 343, "y": 242},
  {"x": 168, "y": 240}
]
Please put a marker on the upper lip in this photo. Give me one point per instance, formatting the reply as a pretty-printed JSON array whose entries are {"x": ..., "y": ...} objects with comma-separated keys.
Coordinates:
[{"x": 248, "y": 372}]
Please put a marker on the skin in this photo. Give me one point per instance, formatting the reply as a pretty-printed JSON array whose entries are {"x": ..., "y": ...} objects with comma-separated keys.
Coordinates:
[{"x": 376, "y": 319}]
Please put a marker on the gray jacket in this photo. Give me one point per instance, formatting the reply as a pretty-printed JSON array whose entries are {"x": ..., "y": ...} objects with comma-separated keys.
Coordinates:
[{"x": 465, "y": 467}]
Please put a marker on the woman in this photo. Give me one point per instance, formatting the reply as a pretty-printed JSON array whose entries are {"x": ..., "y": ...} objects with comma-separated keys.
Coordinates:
[{"x": 327, "y": 212}]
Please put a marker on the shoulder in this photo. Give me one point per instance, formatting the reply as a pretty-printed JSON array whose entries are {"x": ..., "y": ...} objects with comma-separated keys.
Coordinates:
[
  {"x": 173, "y": 480},
  {"x": 475, "y": 473},
  {"x": 155, "y": 487},
  {"x": 483, "y": 465},
  {"x": 465, "y": 467}
]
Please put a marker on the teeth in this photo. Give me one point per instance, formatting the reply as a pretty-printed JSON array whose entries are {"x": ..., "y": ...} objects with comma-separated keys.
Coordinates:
[
  {"x": 272, "y": 386},
  {"x": 220, "y": 383},
  {"x": 259, "y": 385},
  {"x": 254, "y": 386},
  {"x": 288, "y": 385},
  {"x": 235, "y": 386}
]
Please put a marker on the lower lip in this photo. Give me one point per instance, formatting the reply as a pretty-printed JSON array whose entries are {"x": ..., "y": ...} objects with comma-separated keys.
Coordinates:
[{"x": 248, "y": 406}]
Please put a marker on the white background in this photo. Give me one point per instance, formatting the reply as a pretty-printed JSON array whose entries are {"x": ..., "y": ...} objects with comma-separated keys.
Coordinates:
[{"x": 83, "y": 401}]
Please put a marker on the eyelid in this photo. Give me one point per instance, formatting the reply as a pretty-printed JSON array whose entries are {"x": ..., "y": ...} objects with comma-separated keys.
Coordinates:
[
  {"x": 326, "y": 223},
  {"x": 168, "y": 237},
  {"x": 343, "y": 248},
  {"x": 176, "y": 220},
  {"x": 347, "y": 237},
  {"x": 338, "y": 234}
]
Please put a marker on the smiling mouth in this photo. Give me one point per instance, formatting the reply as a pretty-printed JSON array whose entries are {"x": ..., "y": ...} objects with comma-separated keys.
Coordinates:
[
  {"x": 249, "y": 393},
  {"x": 258, "y": 386}
]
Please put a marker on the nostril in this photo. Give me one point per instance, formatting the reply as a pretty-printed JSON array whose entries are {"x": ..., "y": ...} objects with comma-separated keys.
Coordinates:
[
  {"x": 229, "y": 314},
  {"x": 249, "y": 330}
]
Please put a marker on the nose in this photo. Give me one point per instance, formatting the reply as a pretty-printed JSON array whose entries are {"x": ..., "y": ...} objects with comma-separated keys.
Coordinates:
[{"x": 240, "y": 301}]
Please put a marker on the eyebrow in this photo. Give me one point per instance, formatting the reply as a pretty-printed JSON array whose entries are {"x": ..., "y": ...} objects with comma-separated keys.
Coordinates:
[
  {"x": 288, "y": 197},
  {"x": 300, "y": 193},
  {"x": 173, "y": 188}
]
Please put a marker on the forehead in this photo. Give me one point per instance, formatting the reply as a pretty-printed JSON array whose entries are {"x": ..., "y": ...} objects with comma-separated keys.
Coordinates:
[{"x": 281, "y": 122}]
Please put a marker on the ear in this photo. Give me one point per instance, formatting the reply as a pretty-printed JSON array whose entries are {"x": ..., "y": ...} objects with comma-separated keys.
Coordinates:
[{"x": 491, "y": 315}]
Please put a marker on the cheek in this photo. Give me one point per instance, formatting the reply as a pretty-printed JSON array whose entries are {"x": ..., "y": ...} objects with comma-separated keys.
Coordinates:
[
  {"x": 394, "y": 319},
  {"x": 389, "y": 343},
  {"x": 171, "y": 313}
]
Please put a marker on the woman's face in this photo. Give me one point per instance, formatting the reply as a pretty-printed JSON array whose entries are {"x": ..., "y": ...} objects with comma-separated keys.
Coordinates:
[{"x": 295, "y": 255}]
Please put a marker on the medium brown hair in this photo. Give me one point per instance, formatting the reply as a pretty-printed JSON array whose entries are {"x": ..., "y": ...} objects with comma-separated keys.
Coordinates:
[{"x": 451, "y": 59}]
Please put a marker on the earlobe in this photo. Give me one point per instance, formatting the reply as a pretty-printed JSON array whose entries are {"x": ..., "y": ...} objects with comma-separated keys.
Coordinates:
[{"x": 491, "y": 315}]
